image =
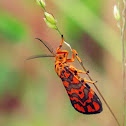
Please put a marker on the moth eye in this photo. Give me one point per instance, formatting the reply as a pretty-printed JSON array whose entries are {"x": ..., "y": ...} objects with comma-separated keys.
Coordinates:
[{"x": 60, "y": 57}]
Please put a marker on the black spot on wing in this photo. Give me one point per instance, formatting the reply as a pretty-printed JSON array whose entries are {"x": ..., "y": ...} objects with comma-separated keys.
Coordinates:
[
  {"x": 87, "y": 85},
  {"x": 75, "y": 72}
]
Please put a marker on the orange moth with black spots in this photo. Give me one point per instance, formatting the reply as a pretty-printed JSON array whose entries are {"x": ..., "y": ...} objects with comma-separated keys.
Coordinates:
[{"x": 82, "y": 97}]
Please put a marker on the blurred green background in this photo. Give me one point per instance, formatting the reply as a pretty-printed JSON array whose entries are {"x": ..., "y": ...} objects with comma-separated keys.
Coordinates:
[{"x": 31, "y": 94}]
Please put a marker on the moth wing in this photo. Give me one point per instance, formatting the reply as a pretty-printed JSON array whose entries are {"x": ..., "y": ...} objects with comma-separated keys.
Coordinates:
[{"x": 82, "y": 97}]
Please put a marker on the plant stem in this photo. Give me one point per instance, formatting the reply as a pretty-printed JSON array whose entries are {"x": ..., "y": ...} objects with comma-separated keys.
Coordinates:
[
  {"x": 123, "y": 58},
  {"x": 58, "y": 31}
]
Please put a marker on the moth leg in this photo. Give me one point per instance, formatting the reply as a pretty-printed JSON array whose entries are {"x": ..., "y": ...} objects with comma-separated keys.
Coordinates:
[
  {"x": 71, "y": 59},
  {"x": 76, "y": 71},
  {"x": 86, "y": 81},
  {"x": 92, "y": 82},
  {"x": 75, "y": 53},
  {"x": 63, "y": 51}
]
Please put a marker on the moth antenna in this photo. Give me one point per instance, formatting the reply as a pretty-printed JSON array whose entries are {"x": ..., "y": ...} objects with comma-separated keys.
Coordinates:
[
  {"x": 38, "y": 56},
  {"x": 45, "y": 45}
]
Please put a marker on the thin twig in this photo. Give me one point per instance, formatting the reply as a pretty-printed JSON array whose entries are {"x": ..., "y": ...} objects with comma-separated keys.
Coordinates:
[{"x": 123, "y": 57}]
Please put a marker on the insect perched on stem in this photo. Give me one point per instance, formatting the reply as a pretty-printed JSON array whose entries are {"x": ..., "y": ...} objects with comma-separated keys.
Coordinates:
[{"x": 82, "y": 97}]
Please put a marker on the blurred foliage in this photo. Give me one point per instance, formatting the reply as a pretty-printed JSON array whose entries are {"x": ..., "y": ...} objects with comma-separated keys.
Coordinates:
[
  {"x": 4, "y": 71},
  {"x": 9, "y": 78},
  {"x": 72, "y": 25},
  {"x": 94, "y": 6},
  {"x": 10, "y": 28}
]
